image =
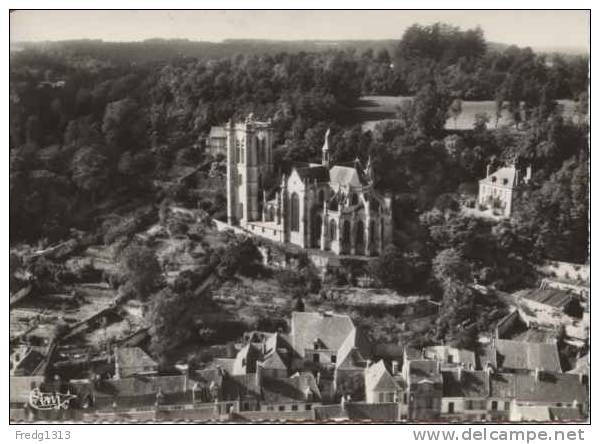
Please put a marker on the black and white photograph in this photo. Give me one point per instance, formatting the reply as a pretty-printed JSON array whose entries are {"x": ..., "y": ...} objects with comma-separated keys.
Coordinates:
[{"x": 299, "y": 217}]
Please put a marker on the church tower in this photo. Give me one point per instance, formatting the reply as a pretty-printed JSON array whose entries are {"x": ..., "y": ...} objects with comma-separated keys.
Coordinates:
[{"x": 249, "y": 166}]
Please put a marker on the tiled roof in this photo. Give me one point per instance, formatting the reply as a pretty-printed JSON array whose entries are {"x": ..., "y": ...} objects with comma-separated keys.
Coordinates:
[
  {"x": 133, "y": 357},
  {"x": 310, "y": 173},
  {"x": 472, "y": 384},
  {"x": 421, "y": 370},
  {"x": 331, "y": 329},
  {"x": 377, "y": 378},
  {"x": 549, "y": 296},
  {"x": 527, "y": 355},
  {"x": 296, "y": 388},
  {"x": 505, "y": 176},
  {"x": 550, "y": 387},
  {"x": 274, "y": 361}
]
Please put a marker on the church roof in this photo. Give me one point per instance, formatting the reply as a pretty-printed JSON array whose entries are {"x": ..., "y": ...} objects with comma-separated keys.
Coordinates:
[
  {"x": 344, "y": 176},
  {"x": 310, "y": 173}
]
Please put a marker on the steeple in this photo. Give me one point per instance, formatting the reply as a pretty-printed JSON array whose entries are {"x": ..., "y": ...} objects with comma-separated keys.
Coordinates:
[{"x": 325, "y": 149}]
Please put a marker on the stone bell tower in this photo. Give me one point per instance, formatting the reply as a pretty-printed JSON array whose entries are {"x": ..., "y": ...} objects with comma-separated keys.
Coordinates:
[{"x": 249, "y": 166}]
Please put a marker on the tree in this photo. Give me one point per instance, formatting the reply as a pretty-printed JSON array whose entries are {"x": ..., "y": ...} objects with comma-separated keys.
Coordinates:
[
  {"x": 89, "y": 170},
  {"x": 397, "y": 270},
  {"x": 142, "y": 272}
]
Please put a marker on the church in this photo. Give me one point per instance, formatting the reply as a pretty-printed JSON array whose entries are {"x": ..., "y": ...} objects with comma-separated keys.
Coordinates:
[{"x": 317, "y": 206}]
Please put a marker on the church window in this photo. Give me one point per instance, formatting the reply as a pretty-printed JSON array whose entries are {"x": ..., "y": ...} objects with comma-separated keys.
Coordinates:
[
  {"x": 372, "y": 230},
  {"x": 332, "y": 230},
  {"x": 346, "y": 235},
  {"x": 295, "y": 213}
]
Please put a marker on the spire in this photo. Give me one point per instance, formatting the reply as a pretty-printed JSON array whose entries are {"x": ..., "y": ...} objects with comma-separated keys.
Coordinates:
[{"x": 325, "y": 149}]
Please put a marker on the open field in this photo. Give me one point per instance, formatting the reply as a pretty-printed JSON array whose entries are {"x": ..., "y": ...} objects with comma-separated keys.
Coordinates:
[{"x": 374, "y": 109}]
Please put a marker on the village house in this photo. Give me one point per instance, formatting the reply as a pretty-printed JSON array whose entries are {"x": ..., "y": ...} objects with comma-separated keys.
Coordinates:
[
  {"x": 450, "y": 357},
  {"x": 319, "y": 206},
  {"x": 465, "y": 394},
  {"x": 499, "y": 188},
  {"x": 424, "y": 386}
]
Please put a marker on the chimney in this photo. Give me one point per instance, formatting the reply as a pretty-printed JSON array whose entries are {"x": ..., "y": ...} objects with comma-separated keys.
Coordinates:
[
  {"x": 487, "y": 170},
  {"x": 394, "y": 367}
]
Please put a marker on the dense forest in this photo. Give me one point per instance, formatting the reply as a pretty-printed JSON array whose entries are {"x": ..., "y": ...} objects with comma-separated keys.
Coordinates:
[{"x": 92, "y": 125}]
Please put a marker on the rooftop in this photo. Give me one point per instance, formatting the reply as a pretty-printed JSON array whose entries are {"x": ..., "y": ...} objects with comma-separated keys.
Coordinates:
[{"x": 527, "y": 355}]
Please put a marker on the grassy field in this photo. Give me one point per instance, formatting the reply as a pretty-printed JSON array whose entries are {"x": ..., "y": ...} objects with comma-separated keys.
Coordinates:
[{"x": 374, "y": 109}]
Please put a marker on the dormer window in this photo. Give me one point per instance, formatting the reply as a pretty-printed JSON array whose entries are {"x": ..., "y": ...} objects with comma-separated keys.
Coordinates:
[
  {"x": 493, "y": 178},
  {"x": 505, "y": 181}
]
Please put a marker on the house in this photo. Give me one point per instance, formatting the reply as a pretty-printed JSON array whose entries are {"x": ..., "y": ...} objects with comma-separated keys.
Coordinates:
[
  {"x": 333, "y": 347},
  {"x": 498, "y": 189},
  {"x": 424, "y": 387},
  {"x": 465, "y": 394},
  {"x": 509, "y": 392},
  {"x": 299, "y": 392},
  {"x": 130, "y": 361},
  {"x": 518, "y": 356},
  {"x": 381, "y": 386},
  {"x": 450, "y": 357},
  {"x": 320, "y": 206}
]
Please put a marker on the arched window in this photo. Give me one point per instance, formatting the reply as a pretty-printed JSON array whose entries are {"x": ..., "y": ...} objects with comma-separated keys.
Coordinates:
[
  {"x": 295, "y": 212},
  {"x": 360, "y": 233},
  {"x": 372, "y": 231},
  {"x": 332, "y": 230},
  {"x": 346, "y": 233}
]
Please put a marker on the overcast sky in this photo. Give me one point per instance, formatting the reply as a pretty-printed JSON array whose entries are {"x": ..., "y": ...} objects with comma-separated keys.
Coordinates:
[{"x": 525, "y": 28}]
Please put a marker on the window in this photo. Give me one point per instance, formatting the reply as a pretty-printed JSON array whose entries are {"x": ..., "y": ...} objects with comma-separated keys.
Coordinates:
[
  {"x": 506, "y": 405},
  {"x": 308, "y": 407},
  {"x": 382, "y": 397},
  {"x": 270, "y": 408},
  {"x": 391, "y": 397},
  {"x": 281, "y": 408},
  {"x": 240, "y": 180},
  {"x": 353, "y": 199},
  {"x": 242, "y": 156},
  {"x": 469, "y": 405},
  {"x": 321, "y": 196},
  {"x": 295, "y": 408},
  {"x": 295, "y": 213},
  {"x": 333, "y": 359},
  {"x": 450, "y": 407},
  {"x": 494, "y": 405},
  {"x": 241, "y": 209},
  {"x": 332, "y": 230},
  {"x": 450, "y": 359},
  {"x": 237, "y": 151},
  {"x": 316, "y": 358},
  {"x": 429, "y": 403},
  {"x": 244, "y": 362}
]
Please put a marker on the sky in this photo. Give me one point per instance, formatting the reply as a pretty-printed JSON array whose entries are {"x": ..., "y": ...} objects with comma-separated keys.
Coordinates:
[{"x": 534, "y": 28}]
